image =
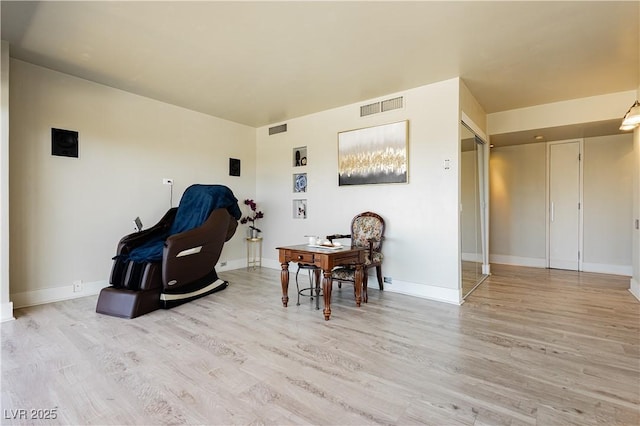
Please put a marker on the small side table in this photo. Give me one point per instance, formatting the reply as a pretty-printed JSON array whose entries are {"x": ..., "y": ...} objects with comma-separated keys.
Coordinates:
[{"x": 254, "y": 252}]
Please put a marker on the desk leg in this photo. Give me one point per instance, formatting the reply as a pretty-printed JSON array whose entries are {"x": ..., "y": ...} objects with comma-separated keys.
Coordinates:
[
  {"x": 365, "y": 284},
  {"x": 316, "y": 273},
  {"x": 284, "y": 280},
  {"x": 358, "y": 284},
  {"x": 326, "y": 290}
]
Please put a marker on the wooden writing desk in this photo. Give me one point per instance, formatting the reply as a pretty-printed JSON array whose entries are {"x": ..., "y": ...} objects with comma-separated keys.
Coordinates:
[{"x": 325, "y": 259}]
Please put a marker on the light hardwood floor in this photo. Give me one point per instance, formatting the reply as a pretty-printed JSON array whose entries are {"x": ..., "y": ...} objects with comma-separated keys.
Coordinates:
[
  {"x": 529, "y": 346},
  {"x": 471, "y": 276}
]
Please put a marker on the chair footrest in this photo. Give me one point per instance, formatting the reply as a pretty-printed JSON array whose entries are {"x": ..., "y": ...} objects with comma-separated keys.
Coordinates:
[{"x": 123, "y": 303}]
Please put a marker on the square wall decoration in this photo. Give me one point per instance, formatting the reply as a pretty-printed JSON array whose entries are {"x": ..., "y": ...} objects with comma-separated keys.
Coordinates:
[
  {"x": 374, "y": 155},
  {"x": 234, "y": 167},
  {"x": 64, "y": 143},
  {"x": 300, "y": 156},
  {"x": 300, "y": 182},
  {"x": 299, "y": 209}
]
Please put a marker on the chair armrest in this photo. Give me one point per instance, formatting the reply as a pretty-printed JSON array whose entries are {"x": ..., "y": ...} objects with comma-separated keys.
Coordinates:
[
  {"x": 133, "y": 240},
  {"x": 375, "y": 240},
  {"x": 337, "y": 236},
  {"x": 372, "y": 241}
]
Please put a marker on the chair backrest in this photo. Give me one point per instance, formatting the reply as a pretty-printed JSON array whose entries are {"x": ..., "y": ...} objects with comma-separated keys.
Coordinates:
[
  {"x": 364, "y": 226},
  {"x": 197, "y": 203}
]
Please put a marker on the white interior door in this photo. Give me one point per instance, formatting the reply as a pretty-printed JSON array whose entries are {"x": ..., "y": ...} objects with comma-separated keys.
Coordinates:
[{"x": 564, "y": 205}]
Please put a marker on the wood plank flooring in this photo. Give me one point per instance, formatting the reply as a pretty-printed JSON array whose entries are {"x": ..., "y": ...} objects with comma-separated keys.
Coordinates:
[
  {"x": 528, "y": 347},
  {"x": 471, "y": 276}
]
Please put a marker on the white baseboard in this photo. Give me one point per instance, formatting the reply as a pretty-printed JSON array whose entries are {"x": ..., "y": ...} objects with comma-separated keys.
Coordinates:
[
  {"x": 608, "y": 269},
  {"x": 471, "y": 257},
  {"x": 634, "y": 288},
  {"x": 231, "y": 265},
  {"x": 49, "y": 295},
  {"x": 6, "y": 312},
  {"x": 601, "y": 268},
  {"x": 56, "y": 294},
  {"x": 518, "y": 261},
  {"x": 424, "y": 291}
]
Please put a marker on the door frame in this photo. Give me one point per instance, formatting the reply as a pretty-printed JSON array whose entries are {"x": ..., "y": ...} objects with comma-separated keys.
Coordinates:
[{"x": 580, "y": 198}]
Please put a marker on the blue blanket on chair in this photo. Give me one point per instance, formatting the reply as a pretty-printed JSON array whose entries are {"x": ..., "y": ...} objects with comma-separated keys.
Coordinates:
[{"x": 196, "y": 204}]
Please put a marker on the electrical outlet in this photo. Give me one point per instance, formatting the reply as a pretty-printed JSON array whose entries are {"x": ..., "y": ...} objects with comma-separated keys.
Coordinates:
[
  {"x": 77, "y": 286},
  {"x": 167, "y": 181},
  {"x": 387, "y": 280}
]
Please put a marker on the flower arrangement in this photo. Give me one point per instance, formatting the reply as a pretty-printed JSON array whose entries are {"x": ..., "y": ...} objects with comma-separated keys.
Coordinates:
[{"x": 253, "y": 216}]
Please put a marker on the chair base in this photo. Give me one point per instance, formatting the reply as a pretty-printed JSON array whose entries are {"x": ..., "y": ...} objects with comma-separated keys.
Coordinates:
[
  {"x": 123, "y": 303},
  {"x": 184, "y": 295},
  {"x": 314, "y": 281}
]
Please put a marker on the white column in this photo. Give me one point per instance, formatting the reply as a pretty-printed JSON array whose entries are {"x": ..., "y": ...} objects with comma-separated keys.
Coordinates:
[{"x": 6, "y": 306}]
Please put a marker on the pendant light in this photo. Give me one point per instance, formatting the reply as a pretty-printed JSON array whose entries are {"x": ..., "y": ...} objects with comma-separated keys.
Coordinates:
[{"x": 631, "y": 118}]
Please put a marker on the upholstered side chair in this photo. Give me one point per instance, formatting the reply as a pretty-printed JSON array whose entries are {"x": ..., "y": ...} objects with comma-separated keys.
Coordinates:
[{"x": 367, "y": 230}]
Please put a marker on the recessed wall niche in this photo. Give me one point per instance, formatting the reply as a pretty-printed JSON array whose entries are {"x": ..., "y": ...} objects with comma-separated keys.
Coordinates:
[
  {"x": 299, "y": 182},
  {"x": 300, "y": 156},
  {"x": 299, "y": 209}
]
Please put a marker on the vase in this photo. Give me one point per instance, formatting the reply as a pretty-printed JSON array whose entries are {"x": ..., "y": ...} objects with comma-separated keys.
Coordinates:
[{"x": 252, "y": 233}]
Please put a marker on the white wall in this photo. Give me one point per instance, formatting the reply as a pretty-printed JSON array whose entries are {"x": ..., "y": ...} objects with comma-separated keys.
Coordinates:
[
  {"x": 574, "y": 111},
  {"x": 6, "y": 306},
  {"x": 608, "y": 181},
  {"x": 472, "y": 112},
  {"x": 69, "y": 213},
  {"x": 422, "y": 239},
  {"x": 518, "y": 212},
  {"x": 517, "y": 197}
]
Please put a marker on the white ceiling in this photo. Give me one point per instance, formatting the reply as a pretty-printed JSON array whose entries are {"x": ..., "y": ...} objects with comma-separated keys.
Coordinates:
[{"x": 262, "y": 63}]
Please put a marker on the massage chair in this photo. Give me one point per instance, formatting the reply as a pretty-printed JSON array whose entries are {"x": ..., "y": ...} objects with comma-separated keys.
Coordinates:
[{"x": 174, "y": 261}]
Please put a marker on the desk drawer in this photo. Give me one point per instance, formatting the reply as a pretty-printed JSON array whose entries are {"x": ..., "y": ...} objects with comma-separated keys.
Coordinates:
[
  {"x": 347, "y": 258},
  {"x": 302, "y": 257}
]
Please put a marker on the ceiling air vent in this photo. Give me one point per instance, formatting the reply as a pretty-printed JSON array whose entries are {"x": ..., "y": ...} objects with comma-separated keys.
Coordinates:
[
  {"x": 277, "y": 129},
  {"x": 395, "y": 103},
  {"x": 369, "y": 109}
]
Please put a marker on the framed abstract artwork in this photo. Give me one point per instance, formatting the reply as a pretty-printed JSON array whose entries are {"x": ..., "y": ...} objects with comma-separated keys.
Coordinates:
[{"x": 374, "y": 155}]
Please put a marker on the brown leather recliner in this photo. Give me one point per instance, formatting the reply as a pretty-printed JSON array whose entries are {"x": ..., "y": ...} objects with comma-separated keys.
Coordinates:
[{"x": 161, "y": 268}]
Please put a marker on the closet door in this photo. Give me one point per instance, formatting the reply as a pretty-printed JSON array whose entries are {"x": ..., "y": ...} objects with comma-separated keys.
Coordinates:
[{"x": 564, "y": 205}]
